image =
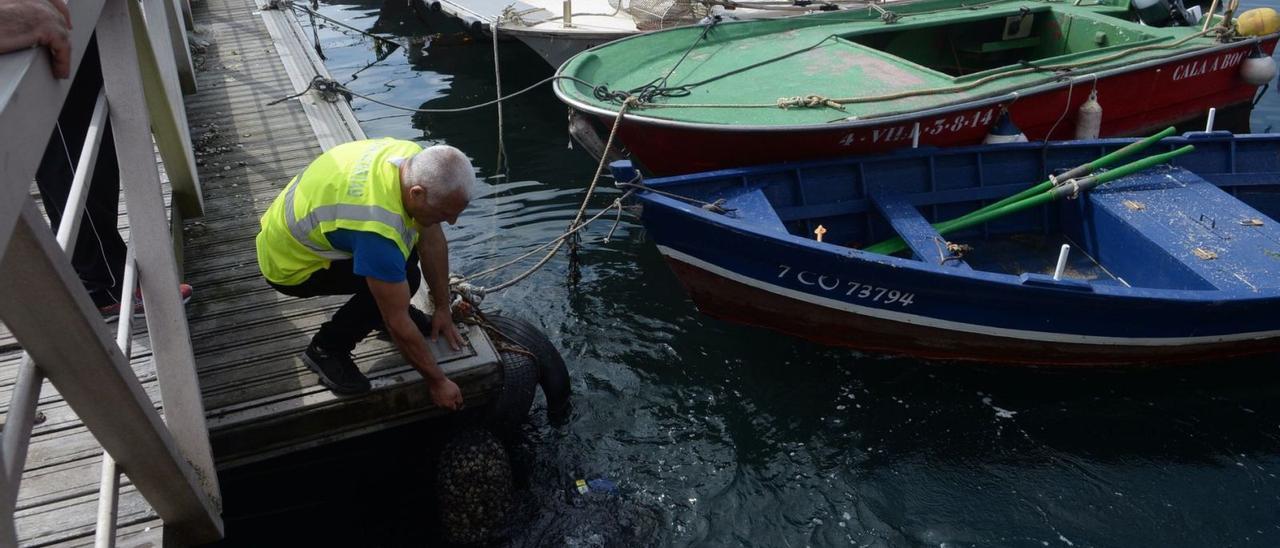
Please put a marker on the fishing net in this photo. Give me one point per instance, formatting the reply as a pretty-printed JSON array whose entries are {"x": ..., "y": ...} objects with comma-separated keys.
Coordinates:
[{"x": 660, "y": 14}]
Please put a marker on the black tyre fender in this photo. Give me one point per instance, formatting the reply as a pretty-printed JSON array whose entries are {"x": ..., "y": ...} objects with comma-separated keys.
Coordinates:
[
  {"x": 515, "y": 393},
  {"x": 553, "y": 376}
]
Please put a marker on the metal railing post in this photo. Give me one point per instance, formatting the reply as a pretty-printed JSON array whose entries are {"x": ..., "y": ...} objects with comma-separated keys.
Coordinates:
[
  {"x": 8, "y": 535},
  {"x": 26, "y": 389},
  {"x": 152, "y": 53},
  {"x": 178, "y": 45},
  {"x": 90, "y": 372},
  {"x": 150, "y": 240},
  {"x": 47, "y": 308}
]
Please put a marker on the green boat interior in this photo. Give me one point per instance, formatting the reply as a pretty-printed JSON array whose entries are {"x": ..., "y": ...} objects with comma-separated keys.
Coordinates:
[
  {"x": 933, "y": 52},
  {"x": 1038, "y": 35}
]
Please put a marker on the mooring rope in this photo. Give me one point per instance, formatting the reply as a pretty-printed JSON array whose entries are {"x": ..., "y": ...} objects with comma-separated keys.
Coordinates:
[
  {"x": 461, "y": 285},
  {"x": 497, "y": 84},
  {"x": 338, "y": 86},
  {"x": 277, "y": 4}
]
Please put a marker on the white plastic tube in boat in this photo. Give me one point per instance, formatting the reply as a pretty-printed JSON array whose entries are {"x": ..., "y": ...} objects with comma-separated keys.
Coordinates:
[
  {"x": 1062, "y": 261},
  {"x": 1208, "y": 126}
]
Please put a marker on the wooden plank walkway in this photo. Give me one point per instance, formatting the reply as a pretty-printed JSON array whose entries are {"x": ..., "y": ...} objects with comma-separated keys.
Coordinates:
[{"x": 260, "y": 400}]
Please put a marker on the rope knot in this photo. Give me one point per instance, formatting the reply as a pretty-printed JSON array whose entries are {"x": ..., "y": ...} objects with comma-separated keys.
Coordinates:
[
  {"x": 465, "y": 291},
  {"x": 330, "y": 90},
  {"x": 717, "y": 207},
  {"x": 808, "y": 101}
]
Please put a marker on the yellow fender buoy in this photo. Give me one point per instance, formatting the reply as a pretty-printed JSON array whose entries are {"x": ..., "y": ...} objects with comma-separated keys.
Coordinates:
[{"x": 1258, "y": 22}]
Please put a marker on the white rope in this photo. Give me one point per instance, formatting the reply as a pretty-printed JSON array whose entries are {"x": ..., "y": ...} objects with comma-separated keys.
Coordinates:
[
  {"x": 497, "y": 82},
  {"x": 576, "y": 225}
]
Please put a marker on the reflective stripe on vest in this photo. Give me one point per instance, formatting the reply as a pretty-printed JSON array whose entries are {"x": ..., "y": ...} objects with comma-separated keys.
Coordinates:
[
  {"x": 302, "y": 228},
  {"x": 349, "y": 187}
]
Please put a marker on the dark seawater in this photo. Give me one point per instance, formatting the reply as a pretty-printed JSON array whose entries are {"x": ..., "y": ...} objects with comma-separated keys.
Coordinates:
[{"x": 722, "y": 435}]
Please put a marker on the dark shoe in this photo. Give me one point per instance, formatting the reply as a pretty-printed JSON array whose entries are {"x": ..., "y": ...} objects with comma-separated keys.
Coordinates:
[{"x": 337, "y": 371}]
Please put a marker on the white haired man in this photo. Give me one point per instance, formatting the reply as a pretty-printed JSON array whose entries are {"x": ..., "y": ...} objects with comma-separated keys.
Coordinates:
[{"x": 357, "y": 221}]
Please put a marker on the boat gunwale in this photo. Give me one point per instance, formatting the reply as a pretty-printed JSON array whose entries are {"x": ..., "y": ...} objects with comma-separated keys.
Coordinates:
[
  {"x": 1044, "y": 86},
  {"x": 1207, "y": 296},
  {"x": 565, "y": 34},
  {"x": 933, "y": 321}
]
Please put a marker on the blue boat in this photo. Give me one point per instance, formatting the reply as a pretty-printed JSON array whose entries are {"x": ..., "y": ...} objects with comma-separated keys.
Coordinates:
[{"x": 1176, "y": 263}]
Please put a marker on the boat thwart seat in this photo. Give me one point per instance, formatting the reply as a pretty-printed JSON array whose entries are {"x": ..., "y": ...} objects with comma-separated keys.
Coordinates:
[
  {"x": 925, "y": 242},
  {"x": 752, "y": 207},
  {"x": 1169, "y": 228}
]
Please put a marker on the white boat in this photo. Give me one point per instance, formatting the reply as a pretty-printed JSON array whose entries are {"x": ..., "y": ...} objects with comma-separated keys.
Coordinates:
[{"x": 542, "y": 25}]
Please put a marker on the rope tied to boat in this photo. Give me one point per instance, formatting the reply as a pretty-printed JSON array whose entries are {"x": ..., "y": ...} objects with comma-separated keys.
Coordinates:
[
  {"x": 461, "y": 284},
  {"x": 887, "y": 16},
  {"x": 808, "y": 101},
  {"x": 953, "y": 251},
  {"x": 714, "y": 207}
]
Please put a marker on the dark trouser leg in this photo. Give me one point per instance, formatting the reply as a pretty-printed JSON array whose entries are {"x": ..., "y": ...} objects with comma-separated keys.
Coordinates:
[
  {"x": 99, "y": 254},
  {"x": 360, "y": 315}
]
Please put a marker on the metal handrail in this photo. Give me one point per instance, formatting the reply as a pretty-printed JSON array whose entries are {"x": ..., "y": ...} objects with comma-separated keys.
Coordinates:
[{"x": 169, "y": 461}]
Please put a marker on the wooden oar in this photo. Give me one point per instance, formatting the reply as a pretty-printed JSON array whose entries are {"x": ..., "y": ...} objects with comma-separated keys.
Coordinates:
[{"x": 896, "y": 244}]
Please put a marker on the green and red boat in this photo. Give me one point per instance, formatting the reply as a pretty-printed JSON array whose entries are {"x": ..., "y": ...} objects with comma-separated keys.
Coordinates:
[{"x": 929, "y": 73}]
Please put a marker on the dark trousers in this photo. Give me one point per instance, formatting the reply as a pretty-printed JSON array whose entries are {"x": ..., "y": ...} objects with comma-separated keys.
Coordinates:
[
  {"x": 99, "y": 254},
  {"x": 360, "y": 315}
]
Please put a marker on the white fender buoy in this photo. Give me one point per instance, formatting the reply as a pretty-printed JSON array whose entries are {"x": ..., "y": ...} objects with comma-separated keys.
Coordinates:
[
  {"x": 1259, "y": 68},
  {"x": 1089, "y": 118},
  {"x": 1004, "y": 131}
]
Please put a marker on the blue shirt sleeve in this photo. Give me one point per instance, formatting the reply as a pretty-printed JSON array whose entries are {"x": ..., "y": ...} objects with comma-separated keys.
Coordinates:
[{"x": 373, "y": 255}]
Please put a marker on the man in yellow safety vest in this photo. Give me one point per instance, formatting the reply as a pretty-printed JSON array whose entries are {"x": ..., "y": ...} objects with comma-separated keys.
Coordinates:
[{"x": 357, "y": 221}]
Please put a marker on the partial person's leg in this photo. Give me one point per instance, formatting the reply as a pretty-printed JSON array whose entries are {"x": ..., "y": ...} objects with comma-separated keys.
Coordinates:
[
  {"x": 360, "y": 315},
  {"x": 328, "y": 354},
  {"x": 99, "y": 254}
]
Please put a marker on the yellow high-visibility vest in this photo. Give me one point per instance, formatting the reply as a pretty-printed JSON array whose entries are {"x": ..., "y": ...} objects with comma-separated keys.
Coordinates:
[{"x": 353, "y": 186}]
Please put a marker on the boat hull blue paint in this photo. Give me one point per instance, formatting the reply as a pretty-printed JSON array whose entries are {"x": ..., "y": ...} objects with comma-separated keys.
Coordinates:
[{"x": 749, "y": 271}]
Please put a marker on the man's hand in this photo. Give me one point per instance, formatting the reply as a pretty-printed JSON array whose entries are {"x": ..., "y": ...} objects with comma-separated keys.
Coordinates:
[
  {"x": 28, "y": 23},
  {"x": 393, "y": 303},
  {"x": 442, "y": 324},
  {"x": 445, "y": 394}
]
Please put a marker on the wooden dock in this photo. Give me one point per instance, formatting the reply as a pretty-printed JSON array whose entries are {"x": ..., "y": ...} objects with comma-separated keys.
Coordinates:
[{"x": 260, "y": 400}]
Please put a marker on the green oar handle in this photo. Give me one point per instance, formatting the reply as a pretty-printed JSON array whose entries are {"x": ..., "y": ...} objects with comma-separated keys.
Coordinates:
[
  {"x": 896, "y": 244},
  {"x": 1082, "y": 185},
  {"x": 1084, "y": 169},
  {"x": 1088, "y": 183},
  {"x": 1123, "y": 152},
  {"x": 1063, "y": 191},
  {"x": 1129, "y": 169}
]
